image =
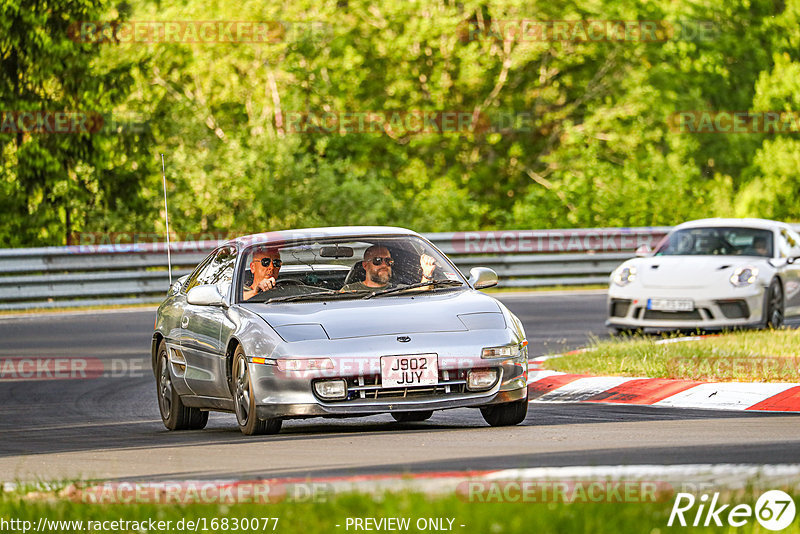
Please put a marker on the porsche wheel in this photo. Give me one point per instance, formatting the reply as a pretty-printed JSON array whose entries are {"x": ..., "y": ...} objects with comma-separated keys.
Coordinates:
[
  {"x": 244, "y": 401},
  {"x": 174, "y": 414},
  {"x": 507, "y": 414},
  {"x": 775, "y": 304},
  {"x": 412, "y": 417}
]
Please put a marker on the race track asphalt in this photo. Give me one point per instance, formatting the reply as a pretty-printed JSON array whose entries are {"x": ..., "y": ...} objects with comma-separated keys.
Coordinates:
[{"x": 108, "y": 427}]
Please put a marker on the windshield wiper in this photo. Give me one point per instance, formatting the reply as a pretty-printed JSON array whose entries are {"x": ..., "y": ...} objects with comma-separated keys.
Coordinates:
[
  {"x": 316, "y": 295},
  {"x": 444, "y": 283}
]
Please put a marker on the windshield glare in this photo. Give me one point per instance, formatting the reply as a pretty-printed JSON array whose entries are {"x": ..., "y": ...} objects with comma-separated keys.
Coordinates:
[
  {"x": 717, "y": 241},
  {"x": 341, "y": 268}
]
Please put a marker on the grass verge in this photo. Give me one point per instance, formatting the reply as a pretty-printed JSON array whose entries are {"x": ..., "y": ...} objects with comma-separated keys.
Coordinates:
[
  {"x": 745, "y": 356},
  {"x": 73, "y": 309},
  {"x": 453, "y": 513},
  {"x": 544, "y": 288}
]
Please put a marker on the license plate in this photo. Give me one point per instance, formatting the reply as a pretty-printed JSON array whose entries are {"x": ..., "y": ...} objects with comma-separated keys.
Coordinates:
[
  {"x": 670, "y": 305},
  {"x": 411, "y": 370}
]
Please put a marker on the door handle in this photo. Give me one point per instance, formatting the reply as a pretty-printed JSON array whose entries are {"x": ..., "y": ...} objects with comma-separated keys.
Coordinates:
[{"x": 184, "y": 321}]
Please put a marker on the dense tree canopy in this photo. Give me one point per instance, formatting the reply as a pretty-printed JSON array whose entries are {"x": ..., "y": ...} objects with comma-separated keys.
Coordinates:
[{"x": 559, "y": 129}]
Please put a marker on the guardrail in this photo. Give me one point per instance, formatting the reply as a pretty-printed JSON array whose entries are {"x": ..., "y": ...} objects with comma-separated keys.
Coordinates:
[{"x": 100, "y": 274}]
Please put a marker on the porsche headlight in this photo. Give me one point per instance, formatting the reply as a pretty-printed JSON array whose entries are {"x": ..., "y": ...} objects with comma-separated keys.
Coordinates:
[
  {"x": 744, "y": 276},
  {"x": 625, "y": 275}
]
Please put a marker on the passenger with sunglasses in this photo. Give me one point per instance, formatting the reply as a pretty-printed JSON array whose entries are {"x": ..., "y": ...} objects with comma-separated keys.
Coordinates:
[
  {"x": 265, "y": 266},
  {"x": 378, "y": 265}
]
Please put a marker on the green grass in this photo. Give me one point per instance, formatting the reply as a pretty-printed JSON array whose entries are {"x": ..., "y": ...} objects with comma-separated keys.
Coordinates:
[
  {"x": 69, "y": 309},
  {"x": 323, "y": 517},
  {"x": 745, "y": 356},
  {"x": 544, "y": 288}
]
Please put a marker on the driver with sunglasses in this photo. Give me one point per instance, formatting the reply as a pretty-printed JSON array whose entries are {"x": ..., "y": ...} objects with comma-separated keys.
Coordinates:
[
  {"x": 265, "y": 266},
  {"x": 378, "y": 264}
]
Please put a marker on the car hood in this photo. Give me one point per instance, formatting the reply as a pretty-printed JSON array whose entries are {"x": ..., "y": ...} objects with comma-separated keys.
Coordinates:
[
  {"x": 441, "y": 311},
  {"x": 689, "y": 271}
]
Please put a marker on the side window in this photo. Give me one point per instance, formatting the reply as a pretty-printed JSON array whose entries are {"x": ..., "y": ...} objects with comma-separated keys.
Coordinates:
[
  {"x": 192, "y": 280},
  {"x": 221, "y": 272},
  {"x": 217, "y": 269}
]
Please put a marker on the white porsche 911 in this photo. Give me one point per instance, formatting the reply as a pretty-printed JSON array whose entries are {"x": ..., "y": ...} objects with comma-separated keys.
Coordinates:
[{"x": 710, "y": 274}]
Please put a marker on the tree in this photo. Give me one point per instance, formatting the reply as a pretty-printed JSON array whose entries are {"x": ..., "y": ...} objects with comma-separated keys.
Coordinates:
[{"x": 56, "y": 180}]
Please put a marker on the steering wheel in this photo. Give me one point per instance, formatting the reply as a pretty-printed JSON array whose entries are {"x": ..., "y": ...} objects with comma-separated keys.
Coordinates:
[{"x": 288, "y": 282}]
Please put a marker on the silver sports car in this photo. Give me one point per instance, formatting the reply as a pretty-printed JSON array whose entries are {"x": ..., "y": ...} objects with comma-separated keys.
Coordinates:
[{"x": 335, "y": 322}]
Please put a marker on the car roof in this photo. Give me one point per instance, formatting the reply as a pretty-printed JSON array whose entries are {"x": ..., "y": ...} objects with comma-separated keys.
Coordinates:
[
  {"x": 283, "y": 236},
  {"x": 764, "y": 224}
]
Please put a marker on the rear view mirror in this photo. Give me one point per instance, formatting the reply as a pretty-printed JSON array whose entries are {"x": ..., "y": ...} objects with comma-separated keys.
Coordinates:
[
  {"x": 336, "y": 252},
  {"x": 482, "y": 277}
]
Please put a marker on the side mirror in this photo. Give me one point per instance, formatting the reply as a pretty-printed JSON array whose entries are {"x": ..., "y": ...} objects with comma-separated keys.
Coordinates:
[
  {"x": 482, "y": 277},
  {"x": 792, "y": 260},
  {"x": 206, "y": 295},
  {"x": 644, "y": 251}
]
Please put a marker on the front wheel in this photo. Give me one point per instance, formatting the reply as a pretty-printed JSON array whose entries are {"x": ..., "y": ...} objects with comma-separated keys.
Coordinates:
[
  {"x": 244, "y": 402},
  {"x": 774, "y": 309},
  {"x": 174, "y": 414},
  {"x": 506, "y": 414}
]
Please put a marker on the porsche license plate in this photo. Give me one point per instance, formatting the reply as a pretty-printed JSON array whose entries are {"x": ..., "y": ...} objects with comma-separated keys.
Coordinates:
[
  {"x": 410, "y": 370},
  {"x": 670, "y": 305}
]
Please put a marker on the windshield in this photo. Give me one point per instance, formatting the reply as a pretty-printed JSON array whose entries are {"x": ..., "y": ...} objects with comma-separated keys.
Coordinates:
[
  {"x": 343, "y": 268},
  {"x": 717, "y": 241}
]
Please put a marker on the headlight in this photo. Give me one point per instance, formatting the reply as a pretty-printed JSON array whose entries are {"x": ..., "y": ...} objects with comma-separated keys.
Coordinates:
[
  {"x": 625, "y": 275},
  {"x": 506, "y": 351},
  {"x": 744, "y": 276}
]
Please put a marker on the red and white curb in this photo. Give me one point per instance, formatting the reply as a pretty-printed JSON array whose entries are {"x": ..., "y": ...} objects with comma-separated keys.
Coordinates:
[{"x": 552, "y": 386}]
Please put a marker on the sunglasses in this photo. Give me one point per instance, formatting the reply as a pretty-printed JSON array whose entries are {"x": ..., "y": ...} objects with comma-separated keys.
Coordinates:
[
  {"x": 377, "y": 260},
  {"x": 277, "y": 263}
]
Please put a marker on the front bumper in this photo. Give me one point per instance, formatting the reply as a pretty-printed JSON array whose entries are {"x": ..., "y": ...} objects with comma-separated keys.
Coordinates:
[
  {"x": 741, "y": 308},
  {"x": 287, "y": 395}
]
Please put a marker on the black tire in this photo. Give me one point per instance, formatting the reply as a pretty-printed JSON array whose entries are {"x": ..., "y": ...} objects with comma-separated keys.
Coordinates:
[
  {"x": 244, "y": 401},
  {"x": 507, "y": 414},
  {"x": 628, "y": 332},
  {"x": 412, "y": 417},
  {"x": 774, "y": 309},
  {"x": 174, "y": 414}
]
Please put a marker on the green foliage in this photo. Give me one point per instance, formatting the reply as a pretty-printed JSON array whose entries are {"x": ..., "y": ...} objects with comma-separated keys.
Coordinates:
[
  {"x": 55, "y": 184},
  {"x": 592, "y": 145}
]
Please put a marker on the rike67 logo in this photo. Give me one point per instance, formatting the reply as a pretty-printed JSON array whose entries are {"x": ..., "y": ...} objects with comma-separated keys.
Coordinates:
[{"x": 774, "y": 510}]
